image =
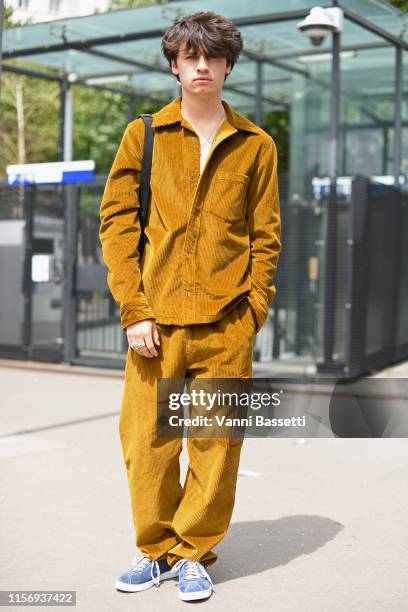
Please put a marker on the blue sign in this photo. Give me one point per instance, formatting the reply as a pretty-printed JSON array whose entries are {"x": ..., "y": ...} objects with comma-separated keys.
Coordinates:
[{"x": 51, "y": 172}]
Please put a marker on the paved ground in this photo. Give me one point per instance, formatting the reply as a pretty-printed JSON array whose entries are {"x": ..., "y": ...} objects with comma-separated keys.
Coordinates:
[{"x": 317, "y": 526}]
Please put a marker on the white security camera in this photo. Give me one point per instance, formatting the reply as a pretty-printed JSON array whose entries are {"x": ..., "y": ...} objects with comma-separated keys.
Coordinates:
[{"x": 320, "y": 23}]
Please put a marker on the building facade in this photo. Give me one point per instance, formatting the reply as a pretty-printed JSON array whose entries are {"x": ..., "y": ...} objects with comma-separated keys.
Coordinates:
[{"x": 36, "y": 11}]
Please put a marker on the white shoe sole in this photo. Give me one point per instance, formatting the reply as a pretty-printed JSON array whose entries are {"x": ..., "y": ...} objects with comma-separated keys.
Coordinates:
[
  {"x": 135, "y": 588},
  {"x": 195, "y": 595}
]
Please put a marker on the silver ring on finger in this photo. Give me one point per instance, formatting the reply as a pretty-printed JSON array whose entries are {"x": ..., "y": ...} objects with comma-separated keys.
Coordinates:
[{"x": 139, "y": 346}]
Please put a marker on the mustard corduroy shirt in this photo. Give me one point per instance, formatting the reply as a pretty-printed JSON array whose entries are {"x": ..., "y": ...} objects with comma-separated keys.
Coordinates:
[{"x": 212, "y": 239}]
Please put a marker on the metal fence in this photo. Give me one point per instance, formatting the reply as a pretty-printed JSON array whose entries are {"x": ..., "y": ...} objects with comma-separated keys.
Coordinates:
[{"x": 55, "y": 304}]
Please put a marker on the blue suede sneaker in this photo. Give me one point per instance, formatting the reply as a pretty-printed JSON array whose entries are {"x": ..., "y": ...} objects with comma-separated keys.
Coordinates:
[
  {"x": 194, "y": 582},
  {"x": 144, "y": 573}
]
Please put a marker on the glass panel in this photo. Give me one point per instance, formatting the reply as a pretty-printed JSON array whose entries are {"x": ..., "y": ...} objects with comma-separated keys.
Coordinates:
[
  {"x": 367, "y": 112},
  {"x": 379, "y": 12},
  {"x": 126, "y": 21}
]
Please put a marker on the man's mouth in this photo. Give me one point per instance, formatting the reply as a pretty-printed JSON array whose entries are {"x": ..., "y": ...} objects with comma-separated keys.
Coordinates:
[{"x": 201, "y": 79}]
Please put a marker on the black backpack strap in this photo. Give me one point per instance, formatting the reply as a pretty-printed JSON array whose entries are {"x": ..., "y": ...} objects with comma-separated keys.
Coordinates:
[{"x": 144, "y": 190}]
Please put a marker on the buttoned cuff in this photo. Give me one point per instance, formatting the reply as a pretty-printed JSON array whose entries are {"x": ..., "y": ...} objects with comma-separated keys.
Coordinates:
[{"x": 132, "y": 312}]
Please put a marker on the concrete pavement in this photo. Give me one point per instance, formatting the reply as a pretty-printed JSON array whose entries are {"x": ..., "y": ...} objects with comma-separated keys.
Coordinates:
[{"x": 317, "y": 526}]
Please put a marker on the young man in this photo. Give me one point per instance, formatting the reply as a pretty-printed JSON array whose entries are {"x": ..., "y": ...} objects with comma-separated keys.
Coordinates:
[{"x": 192, "y": 306}]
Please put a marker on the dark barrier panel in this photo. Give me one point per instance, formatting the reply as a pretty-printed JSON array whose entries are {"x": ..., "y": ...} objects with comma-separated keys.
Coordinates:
[
  {"x": 12, "y": 227},
  {"x": 367, "y": 296},
  {"x": 401, "y": 333},
  {"x": 58, "y": 306}
]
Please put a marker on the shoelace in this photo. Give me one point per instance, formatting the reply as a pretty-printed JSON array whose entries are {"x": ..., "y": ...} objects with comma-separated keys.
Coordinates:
[
  {"x": 194, "y": 570},
  {"x": 139, "y": 564}
]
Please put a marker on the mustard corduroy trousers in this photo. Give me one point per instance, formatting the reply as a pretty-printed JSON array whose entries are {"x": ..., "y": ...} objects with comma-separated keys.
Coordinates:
[{"x": 172, "y": 521}]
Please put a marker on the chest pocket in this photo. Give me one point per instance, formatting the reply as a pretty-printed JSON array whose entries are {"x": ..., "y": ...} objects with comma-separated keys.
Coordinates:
[{"x": 228, "y": 196}]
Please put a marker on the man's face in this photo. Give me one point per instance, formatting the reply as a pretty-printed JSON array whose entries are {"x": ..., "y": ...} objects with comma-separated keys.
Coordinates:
[{"x": 191, "y": 67}]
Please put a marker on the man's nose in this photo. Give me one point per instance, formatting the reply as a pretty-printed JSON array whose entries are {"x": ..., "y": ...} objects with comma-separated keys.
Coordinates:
[{"x": 202, "y": 63}]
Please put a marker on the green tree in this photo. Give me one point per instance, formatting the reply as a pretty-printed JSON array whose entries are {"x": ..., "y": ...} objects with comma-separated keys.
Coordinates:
[
  {"x": 29, "y": 120},
  {"x": 29, "y": 117},
  {"x": 9, "y": 21},
  {"x": 8, "y": 12},
  {"x": 97, "y": 129},
  {"x": 402, "y": 5}
]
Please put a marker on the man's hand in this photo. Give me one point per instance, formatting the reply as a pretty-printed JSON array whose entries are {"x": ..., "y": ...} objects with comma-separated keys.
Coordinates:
[{"x": 144, "y": 332}]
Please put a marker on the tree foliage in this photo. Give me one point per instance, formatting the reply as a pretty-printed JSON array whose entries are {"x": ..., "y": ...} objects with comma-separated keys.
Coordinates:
[
  {"x": 98, "y": 129},
  {"x": 29, "y": 120},
  {"x": 402, "y": 5}
]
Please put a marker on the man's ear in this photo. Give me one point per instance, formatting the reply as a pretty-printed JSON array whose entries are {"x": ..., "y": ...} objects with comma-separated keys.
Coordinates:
[{"x": 174, "y": 68}]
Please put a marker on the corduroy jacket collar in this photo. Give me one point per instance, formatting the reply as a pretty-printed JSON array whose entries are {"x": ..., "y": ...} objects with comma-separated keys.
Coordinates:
[{"x": 171, "y": 113}]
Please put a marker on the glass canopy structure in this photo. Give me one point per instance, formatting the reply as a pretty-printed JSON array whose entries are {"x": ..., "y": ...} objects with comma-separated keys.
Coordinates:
[
  {"x": 278, "y": 69},
  {"x": 347, "y": 106}
]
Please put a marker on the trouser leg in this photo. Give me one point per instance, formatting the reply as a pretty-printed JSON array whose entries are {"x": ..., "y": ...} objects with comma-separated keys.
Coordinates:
[
  {"x": 152, "y": 464},
  {"x": 218, "y": 350}
]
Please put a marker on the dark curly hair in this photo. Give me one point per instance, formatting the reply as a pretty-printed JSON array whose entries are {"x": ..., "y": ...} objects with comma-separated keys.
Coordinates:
[{"x": 212, "y": 34}]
